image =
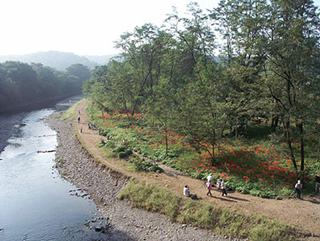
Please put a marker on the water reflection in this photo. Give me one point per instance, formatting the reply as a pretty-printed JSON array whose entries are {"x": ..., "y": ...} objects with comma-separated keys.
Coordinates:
[{"x": 35, "y": 203}]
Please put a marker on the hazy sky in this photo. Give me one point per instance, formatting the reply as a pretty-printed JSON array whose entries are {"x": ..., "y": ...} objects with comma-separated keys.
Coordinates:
[{"x": 81, "y": 26}]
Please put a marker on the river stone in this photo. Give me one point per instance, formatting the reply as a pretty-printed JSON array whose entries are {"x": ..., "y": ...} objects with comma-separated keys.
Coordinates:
[{"x": 98, "y": 229}]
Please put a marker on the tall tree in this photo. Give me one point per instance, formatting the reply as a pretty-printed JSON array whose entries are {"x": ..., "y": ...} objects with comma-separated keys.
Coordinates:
[{"x": 293, "y": 51}]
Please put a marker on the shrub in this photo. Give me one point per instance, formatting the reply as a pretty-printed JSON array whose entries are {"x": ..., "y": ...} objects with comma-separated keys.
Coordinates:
[
  {"x": 145, "y": 166},
  {"x": 120, "y": 149},
  {"x": 122, "y": 155},
  {"x": 103, "y": 132}
]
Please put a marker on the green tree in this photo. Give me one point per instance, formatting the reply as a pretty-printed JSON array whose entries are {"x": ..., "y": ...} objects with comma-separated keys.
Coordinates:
[{"x": 292, "y": 79}]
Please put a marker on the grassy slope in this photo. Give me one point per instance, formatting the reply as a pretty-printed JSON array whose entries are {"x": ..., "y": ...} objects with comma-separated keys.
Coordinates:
[{"x": 204, "y": 215}]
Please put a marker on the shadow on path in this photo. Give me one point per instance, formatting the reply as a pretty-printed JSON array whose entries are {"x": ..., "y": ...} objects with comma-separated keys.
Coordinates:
[
  {"x": 239, "y": 199},
  {"x": 224, "y": 199}
]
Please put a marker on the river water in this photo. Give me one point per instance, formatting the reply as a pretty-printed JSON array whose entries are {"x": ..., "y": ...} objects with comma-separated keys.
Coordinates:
[{"x": 36, "y": 203}]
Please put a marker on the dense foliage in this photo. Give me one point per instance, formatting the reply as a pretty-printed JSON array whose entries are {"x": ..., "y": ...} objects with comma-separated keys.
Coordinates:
[
  {"x": 23, "y": 84},
  {"x": 263, "y": 69}
]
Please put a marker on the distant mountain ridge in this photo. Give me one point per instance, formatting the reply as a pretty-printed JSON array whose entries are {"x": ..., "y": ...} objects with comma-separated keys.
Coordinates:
[{"x": 58, "y": 60}]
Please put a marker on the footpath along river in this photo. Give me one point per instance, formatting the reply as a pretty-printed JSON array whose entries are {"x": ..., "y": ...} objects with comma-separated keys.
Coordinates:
[{"x": 36, "y": 203}]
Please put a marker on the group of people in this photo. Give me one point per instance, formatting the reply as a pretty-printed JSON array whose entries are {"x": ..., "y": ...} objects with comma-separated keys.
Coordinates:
[
  {"x": 209, "y": 185},
  {"x": 220, "y": 185}
]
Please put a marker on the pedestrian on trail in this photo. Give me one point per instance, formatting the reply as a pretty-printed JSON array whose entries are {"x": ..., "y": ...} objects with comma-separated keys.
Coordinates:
[
  {"x": 298, "y": 189},
  {"x": 186, "y": 191},
  {"x": 209, "y": 178},
  {"x": 78, "y": 119},
  {"x": 223, "y": 188},
  {"x": 209, "y": 187},
  {"x": 219, "y": 183}
]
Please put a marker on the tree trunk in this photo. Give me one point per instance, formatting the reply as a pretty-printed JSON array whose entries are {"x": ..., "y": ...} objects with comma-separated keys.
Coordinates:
[
  {"x": 274, "y": 122},
  {"x": 213, "y": 142},
  {"x": 301, "y": 146},
  {"x": 236, "y": 129},
  {"x": 166, "y": 139},
  {"x": 289, "y": 142}
]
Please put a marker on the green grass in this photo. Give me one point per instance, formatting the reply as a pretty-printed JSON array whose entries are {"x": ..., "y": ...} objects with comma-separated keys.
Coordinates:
[
  {"x": 151, "y": 198},
  {"x": 204, "y": 215}
]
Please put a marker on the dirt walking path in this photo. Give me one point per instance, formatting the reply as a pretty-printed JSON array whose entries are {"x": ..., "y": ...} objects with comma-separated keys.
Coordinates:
[{"x": 303, "y": 214}]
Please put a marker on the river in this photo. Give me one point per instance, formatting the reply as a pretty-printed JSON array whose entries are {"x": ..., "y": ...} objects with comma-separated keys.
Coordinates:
[{"x": 36, "y": 203}]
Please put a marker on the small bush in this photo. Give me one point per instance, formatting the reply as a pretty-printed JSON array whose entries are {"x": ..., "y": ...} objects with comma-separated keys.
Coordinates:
[
  {"x": 145, "y": 166},
  {"x": 122, "y": 151},
  {"x": 122, "y": 155},
  {"x": 119, "y": 149},
  {"x": 104, "y": 132},
  {"x": 129, "y": 152},
  {"x": 285, "y": 192}
]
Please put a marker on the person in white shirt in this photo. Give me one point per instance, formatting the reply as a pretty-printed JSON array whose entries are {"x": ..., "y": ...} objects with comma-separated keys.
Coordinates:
[
  {"x": 219, "y": 183},
  {"x": 209, "y": 178},
  {"x": 186, "y": 191}
]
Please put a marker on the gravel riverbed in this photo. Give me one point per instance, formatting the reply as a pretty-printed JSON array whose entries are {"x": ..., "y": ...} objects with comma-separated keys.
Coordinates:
[{"x": 102, "y": 185}]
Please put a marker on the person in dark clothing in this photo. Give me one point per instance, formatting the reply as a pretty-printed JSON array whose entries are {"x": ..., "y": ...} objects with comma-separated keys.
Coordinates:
[
  {"x": 298, "y": 189},
  {"x": 223, "y": 189}
]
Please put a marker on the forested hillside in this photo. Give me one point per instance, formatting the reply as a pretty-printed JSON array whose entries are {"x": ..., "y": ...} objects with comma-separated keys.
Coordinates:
[
  {"x": 246, "y": 69},
  {"x": 23, "y": 84},
  {"x": 57, "y": 60}
]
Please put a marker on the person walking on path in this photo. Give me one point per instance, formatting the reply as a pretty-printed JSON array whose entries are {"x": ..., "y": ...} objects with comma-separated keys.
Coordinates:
[
  {"x": 298, "y": 189},
  {"x": 209, "y": 178},
  {"x": 209, "y": 187},
  {"x": 223, "y": 189},
  {"x": 219, "y": 183},
  {"x": 78, "y": 119}
]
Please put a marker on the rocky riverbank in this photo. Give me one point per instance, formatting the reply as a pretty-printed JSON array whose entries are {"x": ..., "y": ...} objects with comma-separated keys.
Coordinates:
[{"x": 102, "y": 185}]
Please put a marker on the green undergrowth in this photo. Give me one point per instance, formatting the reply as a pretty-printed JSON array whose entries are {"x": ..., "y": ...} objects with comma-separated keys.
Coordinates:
[
  {"x": 204, "y": 215},
  {"x": 250, "y": 165}
]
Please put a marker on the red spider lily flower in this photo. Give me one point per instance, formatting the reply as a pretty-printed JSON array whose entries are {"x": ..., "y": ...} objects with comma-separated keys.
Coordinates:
[
  {"x": 246, "y": 178},
  {"x": 224, "y": 175}
]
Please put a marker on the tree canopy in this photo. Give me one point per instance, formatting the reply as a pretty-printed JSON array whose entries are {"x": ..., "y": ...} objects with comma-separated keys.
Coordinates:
[
  {"x": 210, "y": 74},
  {"x": 22, "y": 84}
]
